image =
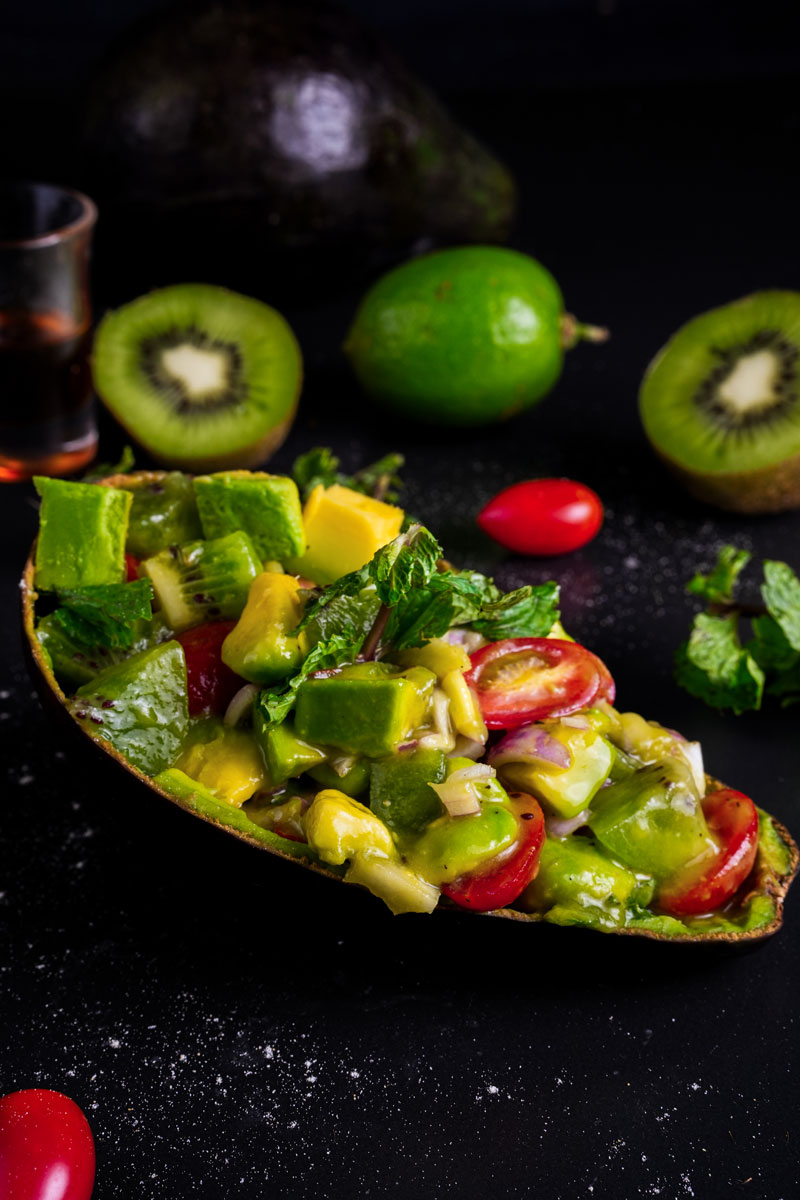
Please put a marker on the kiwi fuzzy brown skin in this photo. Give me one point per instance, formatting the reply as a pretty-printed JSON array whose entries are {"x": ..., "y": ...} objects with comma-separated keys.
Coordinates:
[
  {"x": 55, "y": 701},
  {"x": 773, "y": 489}
]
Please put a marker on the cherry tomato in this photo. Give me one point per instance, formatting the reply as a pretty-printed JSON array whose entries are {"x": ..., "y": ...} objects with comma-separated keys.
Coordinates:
[
  {"x": 608, "y": 689},
  {"x": 46, "y": 1147},
  {"x": 733, "y": 820},
  {"x": 211, "y": 684},
  {"x": 543, "y": 516},
  {"x": 520, "y": 680},
  {"x": 131, "y": 568},
  {"x": 502, "y": 882}
]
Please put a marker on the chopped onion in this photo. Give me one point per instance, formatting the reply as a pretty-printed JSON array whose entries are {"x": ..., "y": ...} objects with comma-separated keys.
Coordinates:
[
  {"x": 693, "y": 753},
  {"x": 531, "y": 744},
  {"x": 478, "y": 771},
  {"x": 342, "y": 764},
  {"x": 576, "y": 722},
  {"x": 457, "y": 793},
  {"x": 468, "y": 638},
  {"x": 241, "y": 704},
  {"x": 466, "y": 748},
  {"x": 562, "y": 826},
  {"x": 435, "y": 741}
]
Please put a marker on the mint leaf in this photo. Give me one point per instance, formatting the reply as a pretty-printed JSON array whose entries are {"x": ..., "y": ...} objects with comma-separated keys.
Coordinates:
[
  {"x": 275, "y": 703},
  {"x": 406, "y": 563},
  {"x": 318, "y": 466},
  {"x": 770, "y": 647},
  {"x": 718, "y": 586},
  {"x": 103, "y": 470},
  {"x": 526, "y": 612},
  {"x": 351, "y": 615},
  {"x": 715, "y": 667},
  {"x": 449, "y": 598},
  {"x": 321, "y": 466},
  {"x": 105, "y": 614},
  {"x": 781, "y": 593}
]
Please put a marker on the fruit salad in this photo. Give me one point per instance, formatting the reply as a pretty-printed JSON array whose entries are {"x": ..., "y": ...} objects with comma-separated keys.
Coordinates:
[{"x": 307, "y": 671}]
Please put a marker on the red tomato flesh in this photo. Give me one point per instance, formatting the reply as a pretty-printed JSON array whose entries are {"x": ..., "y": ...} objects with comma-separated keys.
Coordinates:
[
  {"x": 502, "y": 882},
  {"x": 543, "y": 516},
  {"x": 521, "y": 680},
  {"x": 211, "y": 684},
  {"x": 131, "y": 568},
  {"x": 608, "y": 689},
  {"x": 733, "y": 821},
  {"x": 46, "y": 1147}
]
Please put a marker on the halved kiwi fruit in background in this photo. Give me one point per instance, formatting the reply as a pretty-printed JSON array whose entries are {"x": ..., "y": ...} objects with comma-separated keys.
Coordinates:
[
  {"x": 201, "y": 377},
  {"x": 721, "y": 404}
]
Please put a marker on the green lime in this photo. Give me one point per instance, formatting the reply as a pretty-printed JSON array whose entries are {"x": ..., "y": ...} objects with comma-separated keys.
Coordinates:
[{"x": 464, "y": 336}]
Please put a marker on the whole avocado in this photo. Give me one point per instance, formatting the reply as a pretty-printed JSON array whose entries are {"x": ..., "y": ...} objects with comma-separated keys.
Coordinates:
[
  {"x": 463, "y": 336},
  {"x": 268, "y": 137}
]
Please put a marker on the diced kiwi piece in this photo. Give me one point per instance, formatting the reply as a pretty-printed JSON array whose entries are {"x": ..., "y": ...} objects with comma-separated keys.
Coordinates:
[
  {"x": 202, "y": 377},
  {"x": 721, "y": 403},
  {"x": 140, "y": 706},
  {"x": 164, "y": 512},
  {"x": 267, "y": 507},
  {"x": 203, "y": 581},
  {"x": 82, "y": 531}
]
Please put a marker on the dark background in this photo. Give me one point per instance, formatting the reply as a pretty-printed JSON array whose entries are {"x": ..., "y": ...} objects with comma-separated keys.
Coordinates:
[{"x": 232, "y": 1030}]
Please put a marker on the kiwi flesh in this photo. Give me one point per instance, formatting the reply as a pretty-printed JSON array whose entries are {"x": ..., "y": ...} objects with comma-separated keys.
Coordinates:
[
  {"x": 201, "y": 377},
  {"x": 720, "y": 404}
]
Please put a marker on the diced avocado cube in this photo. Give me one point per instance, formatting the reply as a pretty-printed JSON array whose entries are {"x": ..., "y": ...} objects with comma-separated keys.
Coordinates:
[
  {"x": 343, "y": 530},
  {"x": 230, "y": 765},
  {"x": 353, "y": 781},
  {"x": 575, "y": 872},
  {"x": 82, "y": 532},
  {"x": 652, "y": 821},
  {"x": 259, "y": 647},
  {"x": 285, "y": 754},
  {"x": 437, "y": 655},
  {"x": 400, "y": 792},
  {"x": 140, "y": 706},
  {"x": 164, "y": 513},
  {"x": 566, "y": 791},
  {"x": 203, "y": 581},
  {"x": 267, "y": 507},
  {"x": 367, "y": 708}
]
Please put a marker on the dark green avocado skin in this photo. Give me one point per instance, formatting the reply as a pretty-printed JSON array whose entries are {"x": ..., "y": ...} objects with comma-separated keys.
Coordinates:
[{"x": 250, "y": 135}]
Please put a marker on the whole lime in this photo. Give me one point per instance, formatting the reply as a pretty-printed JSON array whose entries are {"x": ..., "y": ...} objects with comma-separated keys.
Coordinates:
[{"x": 464, "y": 336}]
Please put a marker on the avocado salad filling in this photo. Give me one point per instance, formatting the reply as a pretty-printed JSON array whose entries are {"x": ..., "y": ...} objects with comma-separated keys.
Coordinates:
[{"x": 293, "y": 659}]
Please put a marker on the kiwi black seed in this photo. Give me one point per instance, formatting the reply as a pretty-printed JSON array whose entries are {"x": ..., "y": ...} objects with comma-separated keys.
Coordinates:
[
  {"x": 201, "y": 377},
  {"x": 721, "y": 403}
]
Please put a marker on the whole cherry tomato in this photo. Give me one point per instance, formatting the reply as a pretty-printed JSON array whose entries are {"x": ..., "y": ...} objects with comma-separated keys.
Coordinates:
[
  {"x": 502, "y": 882},
  {"x": 211, "y": 684},
  {"x": 520, "y": 680},
  {"x": 543, "y": 516},
  {"x": 733, "y": 820},
  {"x": 46, "y": 1147}
]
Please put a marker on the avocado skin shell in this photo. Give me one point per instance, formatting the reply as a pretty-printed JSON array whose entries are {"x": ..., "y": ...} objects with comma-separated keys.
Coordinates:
[
  {"x": 263, "y": 138},
  {"x": 55, "y": 703},
  {"x": 772, "y": 489}
]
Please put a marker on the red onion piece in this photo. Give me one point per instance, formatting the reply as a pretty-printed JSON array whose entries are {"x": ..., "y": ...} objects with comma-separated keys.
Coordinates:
[
  {"x": 531, "y": 744},
  {"x": 560, "y": 827},
  {"x": 241, "y": 704}
]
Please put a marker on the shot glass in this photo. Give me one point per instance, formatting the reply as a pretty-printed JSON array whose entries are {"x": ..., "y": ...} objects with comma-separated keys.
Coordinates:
[{"x": 47, "y": 417}]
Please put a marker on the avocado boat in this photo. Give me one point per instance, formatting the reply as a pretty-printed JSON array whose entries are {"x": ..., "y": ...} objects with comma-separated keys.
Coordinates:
[{"x": 318, "y": 683}]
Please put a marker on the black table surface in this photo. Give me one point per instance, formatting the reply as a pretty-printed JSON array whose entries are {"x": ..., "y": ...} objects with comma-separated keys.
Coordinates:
[{"x": 234, "y": 1027}]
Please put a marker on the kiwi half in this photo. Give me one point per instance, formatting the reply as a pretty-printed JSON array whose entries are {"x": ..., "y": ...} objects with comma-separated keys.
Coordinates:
[
  {"x": 201, "y": 377},
  {"x": 721, "y": 404}
]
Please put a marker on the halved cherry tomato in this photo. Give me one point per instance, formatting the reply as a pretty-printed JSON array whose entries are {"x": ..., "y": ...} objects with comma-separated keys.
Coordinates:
[
  {"x": 131, "y": 568},
  {"x": 733, "y": 820},
  {"x": 608, "y": 689},
  {"x": 211, "y": 684},
  {"x": 501, "y": 883},
  {"x": 46, "y": 1147},
  {"x": 543, "y": 516},
  {"x": 520, "y": 680}
]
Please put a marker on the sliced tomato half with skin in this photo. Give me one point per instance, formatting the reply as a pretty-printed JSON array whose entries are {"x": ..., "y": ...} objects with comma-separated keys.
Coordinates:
[
  {"x": 210, "y": 683},
  {"x": 521, "y": 680},
  {"x": 608, "y": 689},
  {"x": 505, "y": 879},
  {"x": 732, "y": 819}
]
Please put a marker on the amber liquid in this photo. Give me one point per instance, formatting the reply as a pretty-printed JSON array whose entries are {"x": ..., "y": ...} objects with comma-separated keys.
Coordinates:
[{"x": 47, "y": 421}]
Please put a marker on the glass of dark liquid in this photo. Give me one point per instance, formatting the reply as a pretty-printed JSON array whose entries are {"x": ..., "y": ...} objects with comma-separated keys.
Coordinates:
[{"x": 47, "y": 419}]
